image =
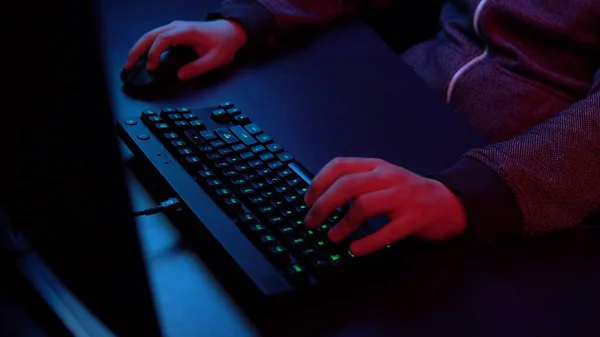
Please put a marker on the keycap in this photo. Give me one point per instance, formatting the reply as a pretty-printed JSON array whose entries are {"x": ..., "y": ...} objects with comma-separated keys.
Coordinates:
[
  {"x": 208, "y": 135},
  {"x": 226, "y": 136},
  {"x": 285, "y": 157},
  {"x": 241, "y": 119},
  {"x": 233, "y": 206},
  {"x": 296, "y": 274},
  {"x": 274, "y": 147},
  {"x": 226, "y": 105},
  {"x": 263, "y": 138},
  {"x": 233, "y": 111},
  {"x": 278, "y": 255},
  {"x": 220, "y": 116},
  {"x": 252, "y": 129},
  {"x": 243, "y": 135}
]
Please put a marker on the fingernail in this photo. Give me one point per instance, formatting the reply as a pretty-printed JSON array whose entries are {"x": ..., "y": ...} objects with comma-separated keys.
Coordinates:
[
  {"x": 308, "y": 220},
  {"x": 335, "y": 234},
  {"x": 353, "y": 248}
]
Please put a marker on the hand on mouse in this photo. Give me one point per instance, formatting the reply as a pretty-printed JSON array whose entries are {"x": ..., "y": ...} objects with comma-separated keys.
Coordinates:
[
  {"x": 415, "y": 205},
  {"x": 216, "y": 43}
]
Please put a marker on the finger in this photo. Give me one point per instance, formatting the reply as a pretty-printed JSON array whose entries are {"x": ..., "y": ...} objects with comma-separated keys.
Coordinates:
[
  {"x": 365, "y": 207},
  {"x": 160, "y": 44},
  {"x": 143, "y": 44},
  {"x": 333, "y": 171},
  {"x": 385, "y": 236},
  {"x": 200, "y": 66},
  {"x": 341, "y": 191}
]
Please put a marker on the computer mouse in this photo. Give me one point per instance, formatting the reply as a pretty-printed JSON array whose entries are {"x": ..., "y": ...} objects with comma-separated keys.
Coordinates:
[{"x": 165, "y": 73}]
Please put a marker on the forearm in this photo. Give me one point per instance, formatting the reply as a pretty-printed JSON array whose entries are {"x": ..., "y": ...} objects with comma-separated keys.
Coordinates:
[
  {"x": 264, "y": 20},
  {"x": 546, "y": 180}
]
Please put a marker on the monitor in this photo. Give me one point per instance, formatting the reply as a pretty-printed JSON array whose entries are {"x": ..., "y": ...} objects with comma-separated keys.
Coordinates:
[{"x": 67, "y": 192}]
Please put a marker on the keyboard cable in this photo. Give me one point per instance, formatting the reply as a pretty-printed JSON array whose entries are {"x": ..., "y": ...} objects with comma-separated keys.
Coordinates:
[
  {"x": 19, "y": 248},
  {"x": 167, "y": 205}
]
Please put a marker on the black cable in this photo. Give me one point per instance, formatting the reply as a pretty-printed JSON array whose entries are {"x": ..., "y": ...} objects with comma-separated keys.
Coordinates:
[
  {"x": 164, "y": 206},
  {"x": 17, "y": 248}
]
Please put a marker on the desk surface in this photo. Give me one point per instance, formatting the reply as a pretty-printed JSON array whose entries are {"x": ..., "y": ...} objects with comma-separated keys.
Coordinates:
[{"x": 542, "y": 288}]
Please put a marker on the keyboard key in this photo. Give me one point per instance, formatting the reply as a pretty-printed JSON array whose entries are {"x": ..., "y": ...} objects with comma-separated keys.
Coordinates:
[
  {"x": 206, "y": 174},
  {"x": 155, "y": 119},
  {"x": 220, "y": 116},
  {"x": 167, "y": 111},
  {"x": 217, "y": 143},
  {"x": 275, "y": 164},
  {"x": 252, "y": 129},
  {"x": 223, "y": 192},
  {"x": 181, "y": 125},
  {"x": 251, "y": 176},
  {"x": 185, "y": 151},
  {"x": 194, "y": 137},
  {"x": 257, "y": 229},
  {"x": 221, "y": 164},
  {"x": 241, "y": 119},
  {"x": 170, "y": 135},
  {"x": 284, "y": 172},
  {"x": 255, "y": 163},
  {"x": 246, "y": 155},
  {"x": 247, "y": 218},
  {"x": 238, "y": 147},
  {"x": 273, "y": 180},
  {"x": 267, "y": 239},
  {"x": 257, "y": 200},
  {"x": 267, "y": 156},
  {"x": 197, "y": 124},
  {"x": 263, "y": 138},
  {"x": 233, "y": 206},
  {"x": 188, "y": 116},
  {"x": 278, "y": 255},
  {"x": 293, "y": 182},
  {"x": 233, "y": 160},
  {"x": 226, "y": 136},
  {"x": 274, "y": 147},
  {"x": 214, "y": 182},
  {"x": 226, "y": 105},
  {"x": 246, "y": 191},
  {"x": 192, "y": 162},
  {"x": 258, "y": 148},
  {"x": 148, "y": 113},
  {"x": 266, "y": 209},
  {"x": 241, "y": 167},
  {"x": 238, "y": 181},
  {"x": 208, "y": 135},
  {"x": 264, "y": 171},
  {"x": 225, "y": 151},
  {"x": 230, "y": 172},
  {"x": 291, "y": 198},
  {"x": 243, "y": 135},
  {"x": 161, "y": 126},
  {"x": 285, "y": 157},
  {"x": 177, "y": 143},
  {"x": 296, "y": 275},
  {"x": 206, "y": 148},
  {"x": 259, "y": 185},
  {"x": 233, "y": 111},
  {"x": 213, "y": 156}
]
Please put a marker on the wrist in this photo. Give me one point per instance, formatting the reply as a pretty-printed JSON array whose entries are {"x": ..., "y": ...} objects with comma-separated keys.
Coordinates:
[
  {"x": 240, "y": 34},
  {"x": 450, "y": 220}
]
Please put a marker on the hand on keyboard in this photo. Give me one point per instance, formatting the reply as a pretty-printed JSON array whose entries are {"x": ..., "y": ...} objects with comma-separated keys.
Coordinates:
[
  {"x": 216, "y": 41},
  {"x": 415, "y": 205}
]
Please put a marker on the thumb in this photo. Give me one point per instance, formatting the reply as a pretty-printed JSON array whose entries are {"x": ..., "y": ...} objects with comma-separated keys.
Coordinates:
[{"x": 205, "y": 63}]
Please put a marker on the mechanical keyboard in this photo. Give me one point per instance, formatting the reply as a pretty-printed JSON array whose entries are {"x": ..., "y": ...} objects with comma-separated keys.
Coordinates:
[{"x": 246, "y": 189}]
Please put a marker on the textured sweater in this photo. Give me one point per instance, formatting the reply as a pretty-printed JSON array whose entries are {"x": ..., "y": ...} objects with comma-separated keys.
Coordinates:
[{"x": 526, "y": 75}]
